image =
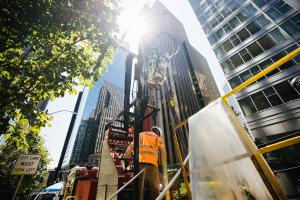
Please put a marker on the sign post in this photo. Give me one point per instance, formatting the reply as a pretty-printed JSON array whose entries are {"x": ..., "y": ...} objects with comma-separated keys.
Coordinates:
[
  {"x": 18, "y": 186},
  {"x": 25, "y": 165}
]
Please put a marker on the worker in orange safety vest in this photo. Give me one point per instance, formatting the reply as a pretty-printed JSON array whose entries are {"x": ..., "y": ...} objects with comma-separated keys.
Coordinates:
[{"x": 151, "y": 148}]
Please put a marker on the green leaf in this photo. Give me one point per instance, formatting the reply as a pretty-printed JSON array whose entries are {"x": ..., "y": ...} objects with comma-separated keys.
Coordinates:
[
  {"x": 72, "y": 91},
  {"x": 5, "y": 74}
]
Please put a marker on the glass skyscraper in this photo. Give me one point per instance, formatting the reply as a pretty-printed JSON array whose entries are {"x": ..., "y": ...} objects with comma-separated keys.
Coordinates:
[
  {"x": 110, "y": 104},
  {"x": 247, "y": 36},
  {"x": 82, "y": 141},
  {"x": 115, "y": 73},
  {"x": 188, "y": 84}
]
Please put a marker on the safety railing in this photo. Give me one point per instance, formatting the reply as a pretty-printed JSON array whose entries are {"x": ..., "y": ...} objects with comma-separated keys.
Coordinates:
[
  {"x": 179, "y": 155},
  {"x": 257, "y": 153},
  {"x": 172, "y": 181},
  {"x": 125, "y": 185}
]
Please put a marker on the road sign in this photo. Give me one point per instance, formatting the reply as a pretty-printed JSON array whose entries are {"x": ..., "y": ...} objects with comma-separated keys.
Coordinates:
[{"x": 26, "y": 164}]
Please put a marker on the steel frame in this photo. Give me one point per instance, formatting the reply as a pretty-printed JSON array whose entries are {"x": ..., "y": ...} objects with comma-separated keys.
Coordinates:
[{"x": 257, "y": 153}]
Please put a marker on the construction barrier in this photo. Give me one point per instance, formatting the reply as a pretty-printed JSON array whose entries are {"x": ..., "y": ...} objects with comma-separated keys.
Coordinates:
[{"x": 245, "y": 150}]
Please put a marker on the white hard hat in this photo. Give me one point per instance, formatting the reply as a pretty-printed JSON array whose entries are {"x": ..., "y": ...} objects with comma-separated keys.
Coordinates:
[{"x": 156, "y": 129}]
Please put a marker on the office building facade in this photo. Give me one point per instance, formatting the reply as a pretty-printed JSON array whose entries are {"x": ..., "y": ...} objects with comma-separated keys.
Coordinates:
[
  {"x": 85, "y": 142},
  {"x": 188, "y": 84},
  {"x": 235, "y": 106},
  {"x": 110, "y": 104},
  {"x": 248, "y": 36},
  {"x": 82, "y": 142}
]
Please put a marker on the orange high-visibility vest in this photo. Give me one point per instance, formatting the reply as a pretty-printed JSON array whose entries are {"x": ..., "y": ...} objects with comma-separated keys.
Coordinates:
[{"x": 149, "y": 144}]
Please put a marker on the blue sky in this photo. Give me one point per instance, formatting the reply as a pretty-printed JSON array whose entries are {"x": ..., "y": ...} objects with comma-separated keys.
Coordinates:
[{"x": 55, "y": 135}]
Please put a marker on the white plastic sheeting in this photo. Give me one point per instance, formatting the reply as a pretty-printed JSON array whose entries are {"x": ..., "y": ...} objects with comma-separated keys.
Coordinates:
[{"x": 220, "y": 164}]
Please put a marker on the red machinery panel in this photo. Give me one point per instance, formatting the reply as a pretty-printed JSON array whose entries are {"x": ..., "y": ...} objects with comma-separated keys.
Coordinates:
[{"x": 86, "y": 190}]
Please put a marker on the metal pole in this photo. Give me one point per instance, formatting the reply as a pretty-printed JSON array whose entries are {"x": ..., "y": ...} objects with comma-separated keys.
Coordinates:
[
  {"x": 280, "y": 145},
  {"x": 160, "y": 124},
  {"x": 137, "y": 130},
  {"x": 164, "y": 192},
  {"x": 18, "y": 186},
  {"x": 128, "y": 76},
  {"x": 181, "y": 162},
  {"x": 142, "y": 186},
  {"x": 68, "y": 136}
]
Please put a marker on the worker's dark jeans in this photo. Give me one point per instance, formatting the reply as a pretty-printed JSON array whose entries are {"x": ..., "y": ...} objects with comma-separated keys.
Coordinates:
[{"x": 151, "y": 187}]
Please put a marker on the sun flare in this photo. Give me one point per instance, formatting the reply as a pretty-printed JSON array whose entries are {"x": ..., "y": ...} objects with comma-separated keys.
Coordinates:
[{"x": 132, "y": 23}]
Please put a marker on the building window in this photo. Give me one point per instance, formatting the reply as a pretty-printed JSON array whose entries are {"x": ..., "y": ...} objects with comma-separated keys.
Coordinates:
[
  {"x": 274, "y": 14},
  {"x": 266, "y": 42},
  {"x": 221, "y": 3},
  {"x": 254, "y": 49},
  {"x": 255, "y": 70},
  {"x": 296, "y": 20},
  {"x": 219, "y": 52},
  {"x": 234, "y": 82},
  {"x": 245, "y": 55},
  {"x": 219, "y": 18},
  {"x": 206, "y": 28},
  {"x": 245, "y": 75},
  {"x": 265, "y": 64},
  {"x": 220, "y": 33},
  {"x": 250, "y": 9},
  {"x": 214, "y": 23},
  {"x": 107, "y": 99},
  {"x": 247, "y": 106},
  {"x": 282, "y": 7},
  {"x": 243, "y": 34},
  {"x": 278, "y": 35},
  {"x": 260, "y": 3},
  {"x": 202, "y": 18},
  {"x": 260, "y": 101},
  {"x": 208, "y": 13},
  {"x": 253, "y": 27},
  {"x": 286, "y": 91},
  {"x": 290, "y": 28},
  {"x": 292, "y": 48},
  {"x": 236, "y": 60},
  {"x": 278, "y": 10},
  {"x": 212, "y": 39},
  {"x": 234, "y": 22},
  {"x": 235, "y": 40},
  {"x": 263, "y": 21},
  {"x": 227, "y": 66},
  {"x": 286, "y": 65},
  {"x": 272, "y": 96},
  {"x": 227, "y": 28},
  {"x": 225, "y": 13},
  {"x": 227, "y": 45}
]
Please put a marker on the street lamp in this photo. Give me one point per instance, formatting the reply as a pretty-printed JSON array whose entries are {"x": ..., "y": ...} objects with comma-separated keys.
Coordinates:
[{"x": 59, "y": 112}]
